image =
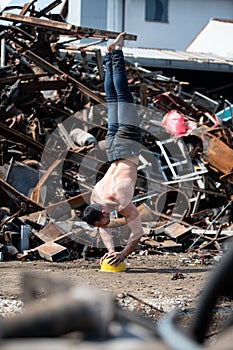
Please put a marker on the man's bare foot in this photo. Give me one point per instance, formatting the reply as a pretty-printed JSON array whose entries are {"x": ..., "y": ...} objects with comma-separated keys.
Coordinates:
[{"x": 118, "y": 43}]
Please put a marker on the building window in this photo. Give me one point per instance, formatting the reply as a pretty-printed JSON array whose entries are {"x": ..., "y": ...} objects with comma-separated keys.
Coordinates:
[{"x": 157, "y": 10}]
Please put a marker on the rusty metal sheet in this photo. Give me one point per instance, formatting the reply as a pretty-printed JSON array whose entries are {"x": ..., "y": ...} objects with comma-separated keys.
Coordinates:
[
  {"x": 177, "y": 231},
  {"x": 49, "y": 233},
  {"x": 52, "y": 251},
  {"x": 17, "y": 172},
  {"x": 218, "y": 154}
]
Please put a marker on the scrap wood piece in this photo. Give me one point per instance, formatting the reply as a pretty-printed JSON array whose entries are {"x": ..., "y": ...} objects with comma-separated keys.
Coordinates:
[
  {"x": 149, "y": 242},
  {"x": 64, "y": 27}
]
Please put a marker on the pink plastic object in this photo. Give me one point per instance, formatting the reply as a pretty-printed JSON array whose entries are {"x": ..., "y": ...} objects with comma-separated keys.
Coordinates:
[{"x": 175, "y": 123}]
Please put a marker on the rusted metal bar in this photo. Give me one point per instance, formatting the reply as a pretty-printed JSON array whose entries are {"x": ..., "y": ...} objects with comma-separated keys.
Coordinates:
[
  {"x": 44, "y": 85},
  {"x": 12, "y": 79},
  {"x": 12, "y": 30},
  {"x": 20, "y": 200},
  {"x": 99, "y": 64},
  {"x": 48, "y": 8},
  {"x": 144, "y": 302},
  {"x": 53, "y": 70},
  {"x": 17, "y": 55},
  {"x": 35, "y": 195},
  {"x": 17, "y": 136},
  {"x": 26, "y": 7},
  {"x": 65, "y": 28}
]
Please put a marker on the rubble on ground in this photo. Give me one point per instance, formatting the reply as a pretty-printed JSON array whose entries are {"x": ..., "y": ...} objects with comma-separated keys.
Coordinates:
[{"x": 52, "y": 129}]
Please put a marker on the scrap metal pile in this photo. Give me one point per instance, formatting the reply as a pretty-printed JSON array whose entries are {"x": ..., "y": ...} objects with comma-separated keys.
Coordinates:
[{"x": 53, "y": 122}]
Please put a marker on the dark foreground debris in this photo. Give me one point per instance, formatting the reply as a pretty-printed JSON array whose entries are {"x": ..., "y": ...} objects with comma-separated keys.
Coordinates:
[
  {"x": 59, "y": 313},
  {"x": 53, "y": 122}
]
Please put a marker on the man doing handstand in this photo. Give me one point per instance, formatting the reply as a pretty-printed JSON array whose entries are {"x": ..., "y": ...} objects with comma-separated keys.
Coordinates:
[{"x": 114, "y": 192}]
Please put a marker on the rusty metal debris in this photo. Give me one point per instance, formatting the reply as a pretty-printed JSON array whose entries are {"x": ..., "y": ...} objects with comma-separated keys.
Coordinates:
[{"x": 52, "y": 129}]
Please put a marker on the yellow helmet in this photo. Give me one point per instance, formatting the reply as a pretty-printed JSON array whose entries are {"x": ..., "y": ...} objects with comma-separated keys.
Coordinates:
[{"x": 106, "y": 267}]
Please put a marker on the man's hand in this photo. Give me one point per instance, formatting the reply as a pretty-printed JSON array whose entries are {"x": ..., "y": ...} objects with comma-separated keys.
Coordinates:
[{"x": 114, "y": 258}]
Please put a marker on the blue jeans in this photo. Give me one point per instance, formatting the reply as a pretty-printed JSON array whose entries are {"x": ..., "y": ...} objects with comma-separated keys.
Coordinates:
[{"x": 123, "y": 138}]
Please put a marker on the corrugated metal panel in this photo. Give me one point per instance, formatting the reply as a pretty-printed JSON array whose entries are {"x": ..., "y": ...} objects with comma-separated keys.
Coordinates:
[{"x": 160, "y": 58}]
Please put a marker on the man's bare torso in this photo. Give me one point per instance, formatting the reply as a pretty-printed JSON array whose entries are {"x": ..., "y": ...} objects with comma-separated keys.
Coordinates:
[{"x": 116, "y": 189}]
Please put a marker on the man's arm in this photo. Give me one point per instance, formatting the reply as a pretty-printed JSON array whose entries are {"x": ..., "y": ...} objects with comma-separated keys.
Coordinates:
[
  {"x": 133, "y": 221},
  {"x": 107, "y": 239}
]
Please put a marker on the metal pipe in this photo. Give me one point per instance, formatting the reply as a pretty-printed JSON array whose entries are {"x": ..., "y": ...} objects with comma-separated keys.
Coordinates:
[{"x": 3, "y": 52}]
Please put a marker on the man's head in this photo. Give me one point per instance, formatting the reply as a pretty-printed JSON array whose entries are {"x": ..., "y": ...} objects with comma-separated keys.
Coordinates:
[{"x": 95, "y": 215}]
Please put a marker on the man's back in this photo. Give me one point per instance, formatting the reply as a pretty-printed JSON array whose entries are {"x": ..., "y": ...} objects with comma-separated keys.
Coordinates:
[{"x": 115, "y": 190}]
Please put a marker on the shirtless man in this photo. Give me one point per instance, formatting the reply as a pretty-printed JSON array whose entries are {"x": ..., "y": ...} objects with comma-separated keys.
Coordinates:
[{"x": 114, "y": 192}]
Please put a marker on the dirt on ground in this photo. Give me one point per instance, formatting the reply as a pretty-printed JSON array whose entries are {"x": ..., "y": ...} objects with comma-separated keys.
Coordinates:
[
  {"x": 164, "y": 280},
  {"x": 152, "y": 285}
]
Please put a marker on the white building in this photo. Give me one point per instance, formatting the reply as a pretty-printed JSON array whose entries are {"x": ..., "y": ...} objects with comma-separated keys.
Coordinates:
[{"x": 170, "y": 24}]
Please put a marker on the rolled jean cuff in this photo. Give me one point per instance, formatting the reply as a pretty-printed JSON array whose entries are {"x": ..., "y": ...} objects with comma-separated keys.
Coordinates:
[
  {"x": 129, "y": 132},
  {"x": 121, "y": 148}
]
